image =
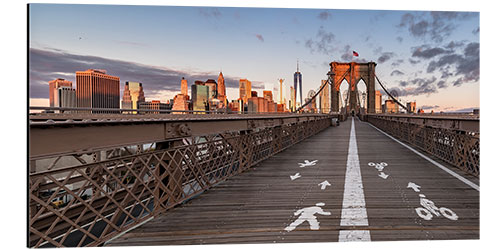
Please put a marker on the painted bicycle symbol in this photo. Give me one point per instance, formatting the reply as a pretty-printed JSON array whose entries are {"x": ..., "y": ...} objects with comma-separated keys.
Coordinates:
[
  {"x": 378, "y": 166},
  {"x": 429, "y": 209}
]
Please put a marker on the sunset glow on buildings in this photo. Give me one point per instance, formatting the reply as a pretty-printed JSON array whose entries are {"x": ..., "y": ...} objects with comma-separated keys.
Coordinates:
[
  {"x": 54, "y": 85},
  {"x": 96, "y": 89}
]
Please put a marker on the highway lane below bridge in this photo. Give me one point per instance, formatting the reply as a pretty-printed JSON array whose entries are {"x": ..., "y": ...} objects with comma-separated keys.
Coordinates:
[{"x": 347, "y": 183}]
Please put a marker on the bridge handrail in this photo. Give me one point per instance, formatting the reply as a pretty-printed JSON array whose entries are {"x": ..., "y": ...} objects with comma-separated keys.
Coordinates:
[
  {"x": 468, "y": 123},
  {"x": 452, "y": 116},
  {"x": 453, "y": 143},
  {"x": 115, "y": 189}
]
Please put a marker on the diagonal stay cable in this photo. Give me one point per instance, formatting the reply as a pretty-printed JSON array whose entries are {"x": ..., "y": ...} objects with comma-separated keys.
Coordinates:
[
  {"x": 389, "y": 94},
  {"x": 320, "y": 89}
]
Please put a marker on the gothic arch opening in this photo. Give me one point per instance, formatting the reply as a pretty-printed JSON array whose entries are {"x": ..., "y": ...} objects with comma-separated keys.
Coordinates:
[
  {"x": 362, "y": 93},
  {"x": 352, "y": 73},
  {"x": 344, "y": 94}
]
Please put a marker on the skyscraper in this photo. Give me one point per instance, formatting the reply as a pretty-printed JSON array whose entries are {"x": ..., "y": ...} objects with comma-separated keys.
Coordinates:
[
  {"x": 132, "y": 95},
  {"x": 221, "y": 89},
  {"x": 200, "y": 97},
  {"x": 234, "y": 105},
  {"x": 411, "y": 107},
  {"x": 262, "y": 104},
  {"x": 391, "y": 106},
  {"x": 268, "y": 95},
  {"x": 297, "y": 79},
  {"x": 54, "y": 85},
  {"x": 65, "y": 97},
  {"x": 253, "y": 104},
  {"x": 212, "y": 88},
  {"x": 96, "y": 89},
  {"x": 280, "y": 108},
  {"x": 378, "y": 102},
  {"x": 184, "y": 87},
  {"x": 281, "y": 90},
  {"x": 153, "y": 105},
  {"x": 181, "y": 100},
  {"x": 180, "y": 103},
  {"x": 245, "y": 90},
  {"x": 324, "y": 98},
  {"x": 273, "y": 107},
  {"x": 313, "y": 106}
]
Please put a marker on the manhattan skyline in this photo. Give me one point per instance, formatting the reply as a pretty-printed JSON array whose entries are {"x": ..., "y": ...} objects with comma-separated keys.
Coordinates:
[{"x": 428, "y": 57}]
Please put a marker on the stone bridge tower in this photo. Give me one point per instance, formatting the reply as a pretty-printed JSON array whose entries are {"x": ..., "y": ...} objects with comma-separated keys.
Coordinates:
[{"x": 352, "y": 72}]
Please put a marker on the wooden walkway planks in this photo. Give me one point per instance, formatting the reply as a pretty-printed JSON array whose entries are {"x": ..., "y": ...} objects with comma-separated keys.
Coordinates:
[
  {"x": 391, "y": 203},
  {"x": 256, "y": 206}
]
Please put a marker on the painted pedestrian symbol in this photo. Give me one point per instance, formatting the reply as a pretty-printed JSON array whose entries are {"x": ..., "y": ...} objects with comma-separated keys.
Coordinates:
[
  {"x": 307, "y": 163},
  {"x": 293, "y": 177},
  {"x": 380, "y": 167},
  {"x": 308, "y": 214},
  {"x": 429, "y": 209}
]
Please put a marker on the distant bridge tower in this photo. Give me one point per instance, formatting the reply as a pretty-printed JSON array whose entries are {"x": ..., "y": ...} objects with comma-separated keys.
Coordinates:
[{"x": 352, "y": 72}]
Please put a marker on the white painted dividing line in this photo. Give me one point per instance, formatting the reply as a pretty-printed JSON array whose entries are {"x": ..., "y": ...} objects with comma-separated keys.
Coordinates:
[
  {"x": 447, "y": 170},
  {"x": 353, "y": 205},
  {"x": 354, "y": 235}
]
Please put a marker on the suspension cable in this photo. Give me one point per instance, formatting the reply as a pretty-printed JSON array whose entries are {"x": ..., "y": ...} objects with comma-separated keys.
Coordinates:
[
  {"x": 320, "y": 89},
  {"x": 341, "y": 79},
  {"x": 389, "y": 94}
]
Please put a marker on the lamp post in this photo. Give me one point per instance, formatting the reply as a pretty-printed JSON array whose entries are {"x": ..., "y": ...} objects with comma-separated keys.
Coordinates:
[{"x": 331, "y": 80}]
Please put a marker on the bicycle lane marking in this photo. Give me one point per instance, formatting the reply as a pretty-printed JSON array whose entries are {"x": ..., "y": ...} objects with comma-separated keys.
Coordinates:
[
  {"x": 469, "y": 183},
  {"x": 353, "y": 204}
]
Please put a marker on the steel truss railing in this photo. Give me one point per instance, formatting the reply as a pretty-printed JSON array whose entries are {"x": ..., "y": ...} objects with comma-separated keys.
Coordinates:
[
  {"x": 116, "y": 189},
  {"x": 456, "y": 147}
]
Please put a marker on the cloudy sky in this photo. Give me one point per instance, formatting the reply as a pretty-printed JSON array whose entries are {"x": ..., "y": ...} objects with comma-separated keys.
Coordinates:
[{"x": 430, "y": 57}]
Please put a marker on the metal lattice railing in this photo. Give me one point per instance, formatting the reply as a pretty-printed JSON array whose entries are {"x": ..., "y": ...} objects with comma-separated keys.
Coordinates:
[
  {"x": 89, "y": 203},
  {"x": 458, "y": 148}
]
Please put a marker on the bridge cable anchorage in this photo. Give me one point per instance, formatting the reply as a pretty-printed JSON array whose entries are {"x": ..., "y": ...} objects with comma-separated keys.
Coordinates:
[
  {"x": 389, "y": 94},
  {"x": 320, "y": 89}
]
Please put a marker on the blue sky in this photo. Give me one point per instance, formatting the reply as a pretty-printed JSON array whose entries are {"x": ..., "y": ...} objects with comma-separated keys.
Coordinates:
[{"x": 428, "y": 57}]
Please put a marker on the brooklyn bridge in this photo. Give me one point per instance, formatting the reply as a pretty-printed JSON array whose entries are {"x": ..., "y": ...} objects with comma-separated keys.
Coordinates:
[{"x": 112, "y": 179}]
